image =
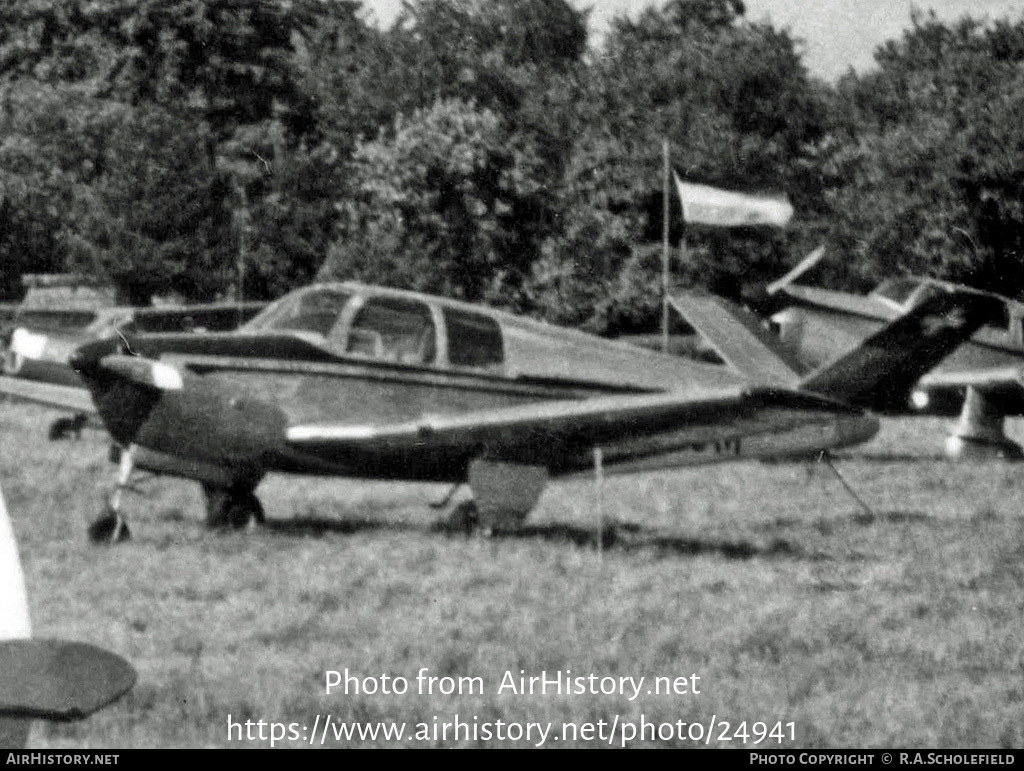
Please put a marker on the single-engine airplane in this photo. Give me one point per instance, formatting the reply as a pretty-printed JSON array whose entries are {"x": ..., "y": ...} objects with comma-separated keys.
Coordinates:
[
  {"x": 370, "y": 382},
  {"x": 40, "y": 678},
  {"x": 982, "y": 381}
]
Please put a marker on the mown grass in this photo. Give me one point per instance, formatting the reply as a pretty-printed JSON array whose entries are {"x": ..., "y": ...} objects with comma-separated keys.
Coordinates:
[{"x": 902, "y": 627}]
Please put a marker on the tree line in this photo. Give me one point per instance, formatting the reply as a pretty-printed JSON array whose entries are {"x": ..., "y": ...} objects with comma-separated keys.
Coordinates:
[{"x": 487, "y": 150}]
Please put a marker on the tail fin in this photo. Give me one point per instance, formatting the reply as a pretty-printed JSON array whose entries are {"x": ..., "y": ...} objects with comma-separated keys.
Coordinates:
[
  {"x": 738, "y": 337},
  {"x": 880, "y": 373}
]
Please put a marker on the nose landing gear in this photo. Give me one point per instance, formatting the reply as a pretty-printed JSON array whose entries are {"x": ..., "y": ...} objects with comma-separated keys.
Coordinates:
[
  {"x": 110, "y": 527},
  {"x": 230, "y": 505}
]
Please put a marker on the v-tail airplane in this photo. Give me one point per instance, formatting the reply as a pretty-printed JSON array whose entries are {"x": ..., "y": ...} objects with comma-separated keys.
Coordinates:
[{"x": 376, "y": 383}]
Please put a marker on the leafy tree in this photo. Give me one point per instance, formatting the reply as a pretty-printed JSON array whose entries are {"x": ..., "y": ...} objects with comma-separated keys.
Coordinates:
[
  {"x": 926, "y": 176},
  {"x": 230, "y": 62},
  {"x": 52, "y": 145},
  {"x": 490, "y": 52},
  {"x": 291, "y": 220},
  {"x": 154, "y": 221},
  {"x": 440, "y": 206},
  {"x": 231, "y": 80},
  {"x": 739, "y": 110}
]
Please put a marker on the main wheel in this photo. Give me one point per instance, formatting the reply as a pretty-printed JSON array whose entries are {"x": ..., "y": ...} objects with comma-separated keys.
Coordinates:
[
  {"x": 464, "y": 517},
  {"x": 232, "y": 509},
  {"x": 243, "y": 508}
]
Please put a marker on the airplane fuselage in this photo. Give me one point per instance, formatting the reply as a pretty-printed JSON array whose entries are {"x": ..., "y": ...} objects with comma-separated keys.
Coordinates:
[
  {"x": 245, "y": 403},
  {"x": 246, "y": 388}
]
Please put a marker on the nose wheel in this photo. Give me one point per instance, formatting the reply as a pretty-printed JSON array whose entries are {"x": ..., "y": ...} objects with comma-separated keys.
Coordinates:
[{"x": 110, "y": 527}]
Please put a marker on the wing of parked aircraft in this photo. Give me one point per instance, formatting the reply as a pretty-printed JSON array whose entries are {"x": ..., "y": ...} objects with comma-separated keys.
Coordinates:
[
  {"x": 1005, "y": 382},
  {"x": 58, "y": 680},
  {"x": 561, "y": 434},
  {"x": 71, "y": 398},
  {"x": 41, "y": 678}
]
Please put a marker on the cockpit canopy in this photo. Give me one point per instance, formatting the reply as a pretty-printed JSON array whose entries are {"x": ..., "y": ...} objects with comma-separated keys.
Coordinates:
[
  {"x": 907, "y": 293},
  {"x": 385, "y": 325}
]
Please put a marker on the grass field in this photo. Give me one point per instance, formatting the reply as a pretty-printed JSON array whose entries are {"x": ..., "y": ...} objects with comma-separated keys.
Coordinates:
[{"x": 904, "y": 627}]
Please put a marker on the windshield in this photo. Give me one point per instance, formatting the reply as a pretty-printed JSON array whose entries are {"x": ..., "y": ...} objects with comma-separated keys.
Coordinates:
[
  {"x": 897, "y": 290},
  {"x": 107, "y": 322},
  {"x": 311, "y": 310}
]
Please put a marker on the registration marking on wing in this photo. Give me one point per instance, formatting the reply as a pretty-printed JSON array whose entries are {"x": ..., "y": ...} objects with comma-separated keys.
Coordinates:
[{"x": 810, "y": 436}]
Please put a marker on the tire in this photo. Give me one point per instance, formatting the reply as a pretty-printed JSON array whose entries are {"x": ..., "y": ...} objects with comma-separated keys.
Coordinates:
[
  {"x": 232, "y": 509},
  {"x": 108, "y": 529}
]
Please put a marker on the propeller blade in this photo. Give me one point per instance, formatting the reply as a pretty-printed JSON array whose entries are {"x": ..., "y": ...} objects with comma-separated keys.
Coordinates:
[{"x": 802, "y": 267}]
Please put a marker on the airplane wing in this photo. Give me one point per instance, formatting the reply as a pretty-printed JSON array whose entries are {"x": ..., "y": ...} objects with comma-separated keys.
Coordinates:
[
  {"x": 541, "y": 433},
  {"x": 60, "y": 396},
  {"x": 738, "y": 337},
  {"x": 57, "y": 680},
  {"x": 998, "y": 379}
]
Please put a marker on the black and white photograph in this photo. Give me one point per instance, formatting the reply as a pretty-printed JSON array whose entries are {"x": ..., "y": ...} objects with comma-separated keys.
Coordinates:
[{"x": 522, "y": 374}]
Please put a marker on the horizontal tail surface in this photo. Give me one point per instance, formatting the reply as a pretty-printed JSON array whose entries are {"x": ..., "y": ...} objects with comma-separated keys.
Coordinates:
[{"x": 880, "y": 373}]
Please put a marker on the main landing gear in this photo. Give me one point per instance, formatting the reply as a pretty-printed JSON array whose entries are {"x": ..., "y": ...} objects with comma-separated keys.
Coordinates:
[
  {"x": 228, "y": 506},
  {"x": 504, "y": 494},
  {"x": 232, "y": 507}
]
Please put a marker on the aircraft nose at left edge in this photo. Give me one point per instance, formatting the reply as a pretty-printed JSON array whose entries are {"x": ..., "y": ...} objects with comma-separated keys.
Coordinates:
[{"x": 44, "y": 678}]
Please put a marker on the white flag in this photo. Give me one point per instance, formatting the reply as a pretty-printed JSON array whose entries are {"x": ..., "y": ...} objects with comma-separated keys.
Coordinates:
[{"x": 711, "y": 206}]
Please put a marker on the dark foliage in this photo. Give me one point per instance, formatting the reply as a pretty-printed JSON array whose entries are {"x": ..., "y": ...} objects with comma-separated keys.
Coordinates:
[{"x": 481, "y": 148}]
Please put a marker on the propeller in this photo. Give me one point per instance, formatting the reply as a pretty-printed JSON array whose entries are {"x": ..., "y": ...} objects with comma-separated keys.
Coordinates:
[
  {"x": 766, "y": 299},
  {"x": 802, "y": 267}
]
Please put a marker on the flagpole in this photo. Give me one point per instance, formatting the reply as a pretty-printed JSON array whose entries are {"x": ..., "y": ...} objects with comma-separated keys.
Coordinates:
[{"x": 664, "y": 248}]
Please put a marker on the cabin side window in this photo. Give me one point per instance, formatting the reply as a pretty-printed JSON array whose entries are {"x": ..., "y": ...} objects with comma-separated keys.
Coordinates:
[
  {"x": 1001, "y": 322},
  {"x": 474, "y": 339},
  {"x": 395, "y": 330},
  {"x": 1017, "y": 329},
  {"x": 897, "y": 290}
]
